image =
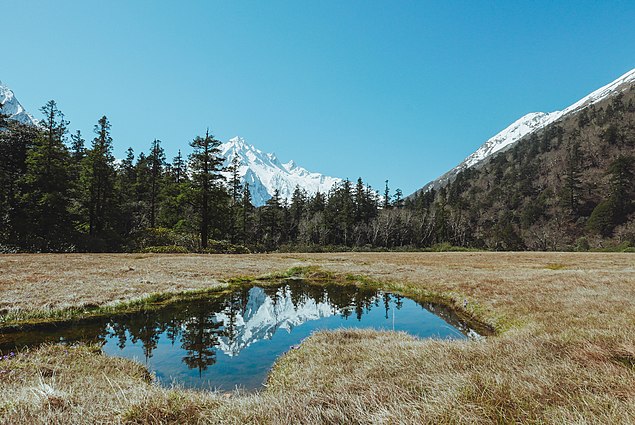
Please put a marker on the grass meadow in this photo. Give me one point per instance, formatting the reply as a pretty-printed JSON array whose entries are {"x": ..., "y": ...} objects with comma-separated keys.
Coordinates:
[{"x": 563, "y": 349}]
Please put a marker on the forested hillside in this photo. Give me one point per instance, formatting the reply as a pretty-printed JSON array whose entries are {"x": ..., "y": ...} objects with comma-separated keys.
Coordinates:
[{"x": 570, "y": 186}]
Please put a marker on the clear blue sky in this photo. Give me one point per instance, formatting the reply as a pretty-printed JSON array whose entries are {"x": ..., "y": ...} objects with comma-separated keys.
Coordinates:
[{"x": 399, "y": 90}]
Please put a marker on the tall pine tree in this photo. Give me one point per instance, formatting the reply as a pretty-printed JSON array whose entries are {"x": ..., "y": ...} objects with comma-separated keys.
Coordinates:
[
  {"x": 98, "y": 174},
  {"x": 156, "y": 161},
  {"x": 205, "y": 163},
  {"x": 47, "y": 183}
]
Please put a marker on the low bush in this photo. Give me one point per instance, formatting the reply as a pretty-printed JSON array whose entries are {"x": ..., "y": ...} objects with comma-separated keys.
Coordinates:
[
  {"x": 165, "y": 249},
  {"x": 224, "y": 247}
]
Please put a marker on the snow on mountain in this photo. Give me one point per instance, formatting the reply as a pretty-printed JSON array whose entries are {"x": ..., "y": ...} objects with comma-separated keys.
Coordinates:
[
  {"x": 529, "y": 124},
  {"x": 12, "y": 107},
  {"x": 520, "y": 128},
  {"x": 265, "y": 173},
  {"x": 263, "y": 317}
]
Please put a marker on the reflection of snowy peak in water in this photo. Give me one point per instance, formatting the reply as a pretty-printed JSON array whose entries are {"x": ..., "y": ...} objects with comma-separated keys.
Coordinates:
[{"x": 263, "y": 317}]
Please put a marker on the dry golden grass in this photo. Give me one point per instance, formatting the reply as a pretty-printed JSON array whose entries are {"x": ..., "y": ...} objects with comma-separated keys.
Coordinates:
[{"x": 565, "y": 352}]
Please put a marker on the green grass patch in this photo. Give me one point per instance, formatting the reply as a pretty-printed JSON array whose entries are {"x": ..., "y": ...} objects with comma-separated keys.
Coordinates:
[
  {"x": 622, "y": 247},
  {"x": 556, "y": 266},
  {"x": 304, "y": 272},
  {"x": 358, "y": 278}
]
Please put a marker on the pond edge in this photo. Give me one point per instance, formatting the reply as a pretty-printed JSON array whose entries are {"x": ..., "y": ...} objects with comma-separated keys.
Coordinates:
[{"x": 467, "y": 311}]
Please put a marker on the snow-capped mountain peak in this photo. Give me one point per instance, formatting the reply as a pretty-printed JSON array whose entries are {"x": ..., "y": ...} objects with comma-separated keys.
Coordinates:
[
  {"x": 290, "y": 165},
  {"x": 265, "y": 173},
  {"x": 529, "y": 124},
  {"x": 12, "y": 107}
]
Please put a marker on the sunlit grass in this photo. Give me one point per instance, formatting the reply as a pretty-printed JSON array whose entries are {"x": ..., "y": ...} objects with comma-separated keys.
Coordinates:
[{"x": 564, "y": 352}]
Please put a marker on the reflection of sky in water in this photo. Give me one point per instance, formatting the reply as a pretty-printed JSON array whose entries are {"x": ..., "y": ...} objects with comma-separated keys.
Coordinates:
[{"x": 262, "y": 335}]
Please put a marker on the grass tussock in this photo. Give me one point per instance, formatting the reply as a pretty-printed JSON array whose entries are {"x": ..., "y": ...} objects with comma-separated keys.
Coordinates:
[{"x": 564, "y": 352}]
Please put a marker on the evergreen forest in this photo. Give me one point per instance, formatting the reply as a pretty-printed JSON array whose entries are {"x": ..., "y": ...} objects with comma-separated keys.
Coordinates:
[{"x": 569, "y": 187}]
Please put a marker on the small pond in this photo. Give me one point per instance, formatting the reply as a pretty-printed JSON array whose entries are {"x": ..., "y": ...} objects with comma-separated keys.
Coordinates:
[{"x": 232, "y": 340}]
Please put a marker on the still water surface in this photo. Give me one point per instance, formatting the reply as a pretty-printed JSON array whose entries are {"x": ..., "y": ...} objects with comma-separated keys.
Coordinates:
[{"x": 233, "y": 340}]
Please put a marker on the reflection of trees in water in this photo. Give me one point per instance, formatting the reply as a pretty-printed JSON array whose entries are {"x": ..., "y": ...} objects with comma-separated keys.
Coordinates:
[
  {"x": 344, "y": 299},
  {"x": 184, "y": 321},
  {"x": 118, "y": 330},
  {"x": 447, "y": 314},
  {"x": 386, "y": 298},
  {"x": 234, "y": 305},
  {"x": 146, "y": 328},
  {"x": 173, "y": 329},
  {"x": 349, "y": 299},
  {"x": 196, "y": 326},
  {"x": 199, "y": 337}
]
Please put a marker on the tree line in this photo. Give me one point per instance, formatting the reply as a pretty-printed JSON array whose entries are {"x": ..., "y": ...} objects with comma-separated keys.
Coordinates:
[{"x": 61, "y": 193}]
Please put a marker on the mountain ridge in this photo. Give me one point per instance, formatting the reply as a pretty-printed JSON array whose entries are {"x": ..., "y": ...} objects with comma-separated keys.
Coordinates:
[
  {"x": 12, "y": 107},
  {"x": 527, "y": 125},
  {"x": 265, "y": 173}
]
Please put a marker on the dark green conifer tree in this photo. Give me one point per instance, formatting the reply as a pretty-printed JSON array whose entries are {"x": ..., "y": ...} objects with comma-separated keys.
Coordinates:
[
  {"x": 235, "y": 188},
  {"x": 359, "y": 199},
  {"x": 98, "y": 175},
  {"x": 573, "y": 185},
  {"x": 271, "y": 221},
  {"x": 175, "y": 208},
  {"x": 78, "y": 148},
  {"x": 247, "y": 211},
  {"x": 615, "y": 209},
  {"x": 77, "y": 155},
  {"x": 205, "y": 163},
  {"x": 234, "y": 183},
  {"x": 16, "y": 140},
  {"x": 126, "y": 179},
  {"x": 317, "y": 203},
  {"x": 296, "y": 211},
  {"x": 179, "y": 168},
  {"x": 386, "y": 196},
  {"x": 47, "y": 183},
  {"x": 156, "y": 162},
  {"x": 622, "y": 181}
]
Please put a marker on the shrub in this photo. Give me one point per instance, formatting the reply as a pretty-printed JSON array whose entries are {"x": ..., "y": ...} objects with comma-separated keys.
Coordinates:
[
  {"x": 601, "y": 220},
  {"x": 153, "y": 237},
  {"x": 224, "y": 247},
  {"x": 165, "y": 249},
  {"x": 582, "y": 244}
]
